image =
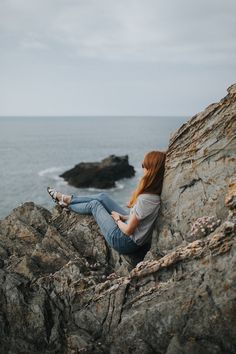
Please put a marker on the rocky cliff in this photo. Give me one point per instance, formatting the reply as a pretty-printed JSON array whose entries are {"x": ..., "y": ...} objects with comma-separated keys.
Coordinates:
[{"x": 64, "y": 291}]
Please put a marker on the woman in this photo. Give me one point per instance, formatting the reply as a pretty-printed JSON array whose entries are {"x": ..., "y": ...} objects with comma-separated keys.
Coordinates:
[{"x": 126, "y": 233}]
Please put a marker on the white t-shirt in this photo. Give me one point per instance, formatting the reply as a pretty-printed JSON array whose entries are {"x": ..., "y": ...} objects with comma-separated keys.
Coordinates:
[{"x": 146, "y": 210}]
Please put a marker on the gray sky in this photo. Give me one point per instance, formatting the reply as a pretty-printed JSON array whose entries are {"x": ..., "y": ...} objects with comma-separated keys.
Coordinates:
[{"x": 115, "y": 57}]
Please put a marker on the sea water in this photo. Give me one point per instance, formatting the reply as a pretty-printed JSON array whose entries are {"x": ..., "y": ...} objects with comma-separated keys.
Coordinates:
[{"x": 34, "y": 151}]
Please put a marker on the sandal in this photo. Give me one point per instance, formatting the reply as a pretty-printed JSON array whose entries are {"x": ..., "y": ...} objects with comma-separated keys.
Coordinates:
[{"x": 53, "y": 194}]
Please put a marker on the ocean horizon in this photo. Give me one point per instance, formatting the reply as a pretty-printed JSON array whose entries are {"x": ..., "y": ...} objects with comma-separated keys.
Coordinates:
[{"x": 35, "y": 150}]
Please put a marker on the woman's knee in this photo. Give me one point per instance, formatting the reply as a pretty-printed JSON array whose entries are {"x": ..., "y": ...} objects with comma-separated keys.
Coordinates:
[
  {"x": 94, "y": 203},
  {"x": 103, "y": 195}
]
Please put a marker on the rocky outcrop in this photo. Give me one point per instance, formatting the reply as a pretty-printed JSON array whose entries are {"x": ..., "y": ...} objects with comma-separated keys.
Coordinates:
[
  {"x": 102, "y": 174},
  {"x": 200, "y": 163},
  {"x": 64, "y": 291}
]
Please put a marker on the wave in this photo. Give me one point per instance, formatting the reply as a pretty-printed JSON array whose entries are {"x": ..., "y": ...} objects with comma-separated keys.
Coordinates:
[
  {"x": 53, "y": 173},
  {"x": 49, "y": 171},
  {"x": 117, "y": 187}
]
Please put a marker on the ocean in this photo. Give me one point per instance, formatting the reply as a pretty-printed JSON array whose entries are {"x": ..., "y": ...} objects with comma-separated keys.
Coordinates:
[{"x": 36, "y": 150}]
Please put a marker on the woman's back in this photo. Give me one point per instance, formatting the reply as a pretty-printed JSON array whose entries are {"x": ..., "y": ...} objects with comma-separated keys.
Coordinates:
[{"x": 146, "y": 210}]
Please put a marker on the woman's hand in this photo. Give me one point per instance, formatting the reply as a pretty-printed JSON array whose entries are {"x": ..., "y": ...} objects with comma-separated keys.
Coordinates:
[
  {"x": 128, "y": 228},
  {"x": 116, "y": 216}
]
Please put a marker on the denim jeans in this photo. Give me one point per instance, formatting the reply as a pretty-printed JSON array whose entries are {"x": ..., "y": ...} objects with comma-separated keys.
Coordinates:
[{"x": 100, "y": 206}]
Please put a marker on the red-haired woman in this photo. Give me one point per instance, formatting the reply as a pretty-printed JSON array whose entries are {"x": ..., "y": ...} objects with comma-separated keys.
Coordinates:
[{"x": 126, "y": 233}]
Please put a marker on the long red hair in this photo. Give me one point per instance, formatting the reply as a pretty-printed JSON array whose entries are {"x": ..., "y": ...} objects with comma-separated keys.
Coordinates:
[{"x": 151, "y": 182}]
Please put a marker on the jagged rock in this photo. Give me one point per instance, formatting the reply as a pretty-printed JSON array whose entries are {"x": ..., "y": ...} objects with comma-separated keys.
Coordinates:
[
  {"x": 200, "y": 163},
  {"x": 45, "y": 242},
  {"x": 99, "y": 174},
  {"x": 37, "y": 249},
  {"x": 63, "y": 290}
]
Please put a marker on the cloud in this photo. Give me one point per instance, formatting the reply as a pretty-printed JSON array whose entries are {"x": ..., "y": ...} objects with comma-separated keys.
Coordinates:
[
  {"x": 150, "y": 30},
  {"x": 115, "y": 56}
]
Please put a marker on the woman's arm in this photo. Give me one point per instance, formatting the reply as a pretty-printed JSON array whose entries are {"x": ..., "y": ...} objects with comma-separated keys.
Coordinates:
[
  {"x": 128, "y": 228},
  {"x": 124, "y": 217},
  {"x": 116, "y": 216}
]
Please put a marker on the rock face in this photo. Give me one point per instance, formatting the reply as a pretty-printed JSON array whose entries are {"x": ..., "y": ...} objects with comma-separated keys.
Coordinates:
[
  {"x": 200, "y": 164},
  {"x": 64, "y": 291},
  {"x": 99, "y": 174}
]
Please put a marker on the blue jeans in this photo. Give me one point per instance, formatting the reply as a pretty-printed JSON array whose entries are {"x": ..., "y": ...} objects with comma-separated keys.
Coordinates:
[{"x": 100, "y": 206}]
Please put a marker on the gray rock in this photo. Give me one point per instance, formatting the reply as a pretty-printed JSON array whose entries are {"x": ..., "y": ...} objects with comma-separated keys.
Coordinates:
[
  {"x": 200, "y": 164},
  {"x": 63, "y": 290},
  {"x": 102, "y": 174}
]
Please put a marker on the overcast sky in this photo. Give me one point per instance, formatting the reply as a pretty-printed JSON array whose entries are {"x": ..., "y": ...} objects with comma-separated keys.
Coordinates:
[{"x": 115, "y": 57}]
